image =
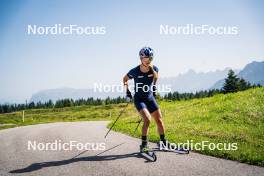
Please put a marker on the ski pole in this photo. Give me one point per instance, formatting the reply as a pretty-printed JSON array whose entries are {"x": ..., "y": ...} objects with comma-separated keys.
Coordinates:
[
  {"x": 121, "y": 112},
  {"x": 137, "y": 126}
]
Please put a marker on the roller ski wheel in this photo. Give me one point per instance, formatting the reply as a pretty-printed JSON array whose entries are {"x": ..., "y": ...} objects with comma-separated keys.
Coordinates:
[{"x": 147, "y": 153}]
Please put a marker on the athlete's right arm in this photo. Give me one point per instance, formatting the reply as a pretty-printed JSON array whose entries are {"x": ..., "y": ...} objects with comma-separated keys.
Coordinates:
[{"x": 125, "y": 81}]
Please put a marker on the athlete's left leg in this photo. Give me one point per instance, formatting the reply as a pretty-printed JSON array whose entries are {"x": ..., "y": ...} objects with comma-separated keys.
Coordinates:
[
  {"x": 158, "y": 119},
  {"x": 154, "y": 110}
]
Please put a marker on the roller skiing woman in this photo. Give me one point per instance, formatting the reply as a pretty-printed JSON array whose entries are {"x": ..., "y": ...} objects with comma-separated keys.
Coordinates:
[{"x": 145, "y": 78}]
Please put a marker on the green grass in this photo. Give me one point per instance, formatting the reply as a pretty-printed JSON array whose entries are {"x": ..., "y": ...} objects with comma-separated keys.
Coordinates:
[
  {"x": 77, "y": 113},
  {"x": 231, "y": 118}
]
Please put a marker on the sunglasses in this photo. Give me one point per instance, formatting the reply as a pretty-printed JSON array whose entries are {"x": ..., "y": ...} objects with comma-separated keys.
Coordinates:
[{"x": 150, "y": 58}]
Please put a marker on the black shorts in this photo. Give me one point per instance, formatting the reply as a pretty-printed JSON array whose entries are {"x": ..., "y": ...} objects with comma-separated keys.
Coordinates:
[{"x": 149, "y": 102}]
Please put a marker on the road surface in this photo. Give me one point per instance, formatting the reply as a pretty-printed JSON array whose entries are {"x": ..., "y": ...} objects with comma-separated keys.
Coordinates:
[{"x": 120, "y": 156}]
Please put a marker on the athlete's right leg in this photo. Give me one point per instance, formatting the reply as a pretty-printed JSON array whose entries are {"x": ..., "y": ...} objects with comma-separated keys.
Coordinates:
[
  {"x": 146, "y": 119},
  {"x": 144, "y": 113}
]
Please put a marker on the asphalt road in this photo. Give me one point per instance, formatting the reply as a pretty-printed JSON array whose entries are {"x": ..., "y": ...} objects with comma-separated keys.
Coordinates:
[{"x": 120, "y": 156}]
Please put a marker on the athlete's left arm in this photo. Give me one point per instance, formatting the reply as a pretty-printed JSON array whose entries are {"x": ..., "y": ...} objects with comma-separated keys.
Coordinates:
[{"x": 155, "y": 75}]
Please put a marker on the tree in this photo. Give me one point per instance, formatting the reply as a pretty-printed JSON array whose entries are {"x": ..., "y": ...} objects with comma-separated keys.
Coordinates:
[
  {"x": 231, "y": 83},
  {"x": 243, "y": 85}
]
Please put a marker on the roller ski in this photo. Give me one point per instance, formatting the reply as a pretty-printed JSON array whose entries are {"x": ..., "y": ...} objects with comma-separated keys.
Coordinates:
[
  {"x": 166, "y": 146},
  {"x": 148, "y": 153}
]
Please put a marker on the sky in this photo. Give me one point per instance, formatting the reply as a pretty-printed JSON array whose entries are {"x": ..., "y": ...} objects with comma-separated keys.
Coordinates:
[{"x": 30, "y": 63}]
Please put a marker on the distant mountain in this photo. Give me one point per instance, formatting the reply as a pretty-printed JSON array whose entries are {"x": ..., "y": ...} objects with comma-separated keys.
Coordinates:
[
  {"x": 192, "y": 81},
  {"x": 188, "y": 82},
  {"x": 62, "y": 93},
  {"x": 252, "y": 72}
]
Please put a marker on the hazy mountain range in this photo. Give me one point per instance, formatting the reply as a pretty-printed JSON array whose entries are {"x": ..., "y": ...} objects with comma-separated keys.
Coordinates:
[
  {"x": 61, "y": 93},
  {"x": 190, "y": 81}
]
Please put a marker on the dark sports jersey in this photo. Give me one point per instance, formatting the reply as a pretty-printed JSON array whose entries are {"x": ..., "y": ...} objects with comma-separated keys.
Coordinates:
[{"x": 142, "y": 81}]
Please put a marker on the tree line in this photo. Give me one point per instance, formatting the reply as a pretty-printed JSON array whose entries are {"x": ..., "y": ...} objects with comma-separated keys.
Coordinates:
[{"x": 67, "y": 102}]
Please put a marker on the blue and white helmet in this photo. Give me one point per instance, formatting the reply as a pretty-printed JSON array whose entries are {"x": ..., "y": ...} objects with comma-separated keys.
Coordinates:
[{"x": 146, "y": 52}]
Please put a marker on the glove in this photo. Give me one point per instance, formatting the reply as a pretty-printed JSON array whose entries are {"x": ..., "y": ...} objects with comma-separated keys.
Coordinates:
[
  {"x": 154, "y": 90},
  {"x": 128, "y": 94}
]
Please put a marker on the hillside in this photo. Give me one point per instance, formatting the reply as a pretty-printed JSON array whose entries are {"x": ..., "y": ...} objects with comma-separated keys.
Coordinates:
[{"x": 232, "y": 118}]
